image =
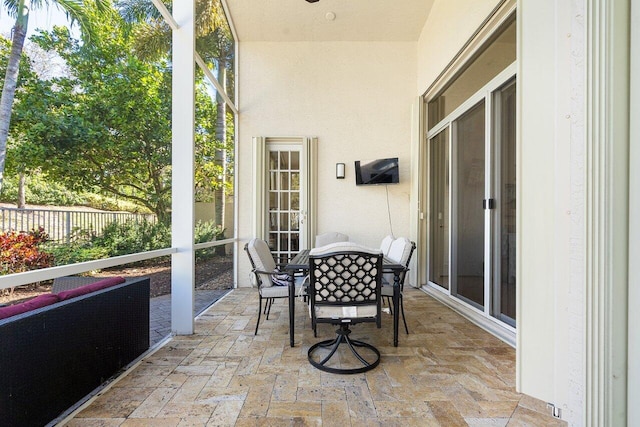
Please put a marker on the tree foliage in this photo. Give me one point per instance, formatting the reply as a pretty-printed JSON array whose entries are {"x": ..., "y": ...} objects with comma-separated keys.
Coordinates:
[
  {"x": 105, "y": 126},
  {"x": 108, "y": 124},
  {"x": 20, "y": 9}
]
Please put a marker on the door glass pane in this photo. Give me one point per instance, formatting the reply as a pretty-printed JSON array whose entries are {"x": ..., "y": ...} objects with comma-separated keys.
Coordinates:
[
  {"x": 498, "y": 54},
  {"x": 469, "y": 213},
  {"x": 506, "y": 117},
  {"x": 284, "y": 160},
  {"x": 295, "y": 160},
  {"x": 295, "y": 181},
  {"x": 284, "y": 203},
  {"x": 439, "y": 209},
  {"x": 284, "y": 181}
]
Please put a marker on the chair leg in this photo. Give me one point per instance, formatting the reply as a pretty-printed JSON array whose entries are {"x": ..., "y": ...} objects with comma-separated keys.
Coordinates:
[
  {"x": 390, "y": 305},
  {"x": 259, "y": 312},
  {"x": 268, "y": 310},
  {"x": 402, "y": 311},
  {"x": 342, "y": 337}
]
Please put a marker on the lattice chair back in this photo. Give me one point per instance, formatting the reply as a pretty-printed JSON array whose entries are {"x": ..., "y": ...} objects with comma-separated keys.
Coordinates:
[{"x": 345, "y": 282}]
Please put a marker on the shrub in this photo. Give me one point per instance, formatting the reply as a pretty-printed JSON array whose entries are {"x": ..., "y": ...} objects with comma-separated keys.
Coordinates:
[
  {"x": 22, "y": 251},
  {"x": 207, "y": 232},
  {"x": 73, "y": 252},
  {"x": 133, "y": 236}
]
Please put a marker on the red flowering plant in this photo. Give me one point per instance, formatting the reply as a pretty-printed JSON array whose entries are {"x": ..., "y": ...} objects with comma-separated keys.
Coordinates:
[{"x": 21, "y": 251}]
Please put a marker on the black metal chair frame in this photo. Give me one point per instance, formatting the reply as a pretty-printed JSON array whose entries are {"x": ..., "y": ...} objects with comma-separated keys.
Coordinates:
[
  {"x": 403, "y": 275},
  {"x": 336, "y": 292}
]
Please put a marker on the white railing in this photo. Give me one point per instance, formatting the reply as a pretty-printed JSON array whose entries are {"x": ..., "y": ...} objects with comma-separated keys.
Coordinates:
[
  {"x": 60, "y": 224},
  {"x": 33, "y": 276}
]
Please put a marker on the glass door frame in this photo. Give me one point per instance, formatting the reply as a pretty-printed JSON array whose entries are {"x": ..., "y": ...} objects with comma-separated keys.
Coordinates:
[
  {"x": 278, "y": 251},
  {"x": 308, "y": 147},
  {"x": 491, "y": 232}
]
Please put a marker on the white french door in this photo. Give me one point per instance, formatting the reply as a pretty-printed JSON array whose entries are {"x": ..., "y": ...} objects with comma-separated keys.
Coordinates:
[{"x": 285, "y": 194}]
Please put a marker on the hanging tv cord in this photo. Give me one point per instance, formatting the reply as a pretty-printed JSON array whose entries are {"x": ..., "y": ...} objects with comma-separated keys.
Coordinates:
[{"x": 386, "y": 187}]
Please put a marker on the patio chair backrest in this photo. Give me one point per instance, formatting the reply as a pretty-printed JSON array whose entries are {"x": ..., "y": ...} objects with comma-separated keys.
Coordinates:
[
  {"x": 385, "y": 245},
  {"x": 330, "y": 237},
  {"x": 345, "y": 277},
  {"x": 261, "y": 260},
  {"x": 400, "y": 251}
]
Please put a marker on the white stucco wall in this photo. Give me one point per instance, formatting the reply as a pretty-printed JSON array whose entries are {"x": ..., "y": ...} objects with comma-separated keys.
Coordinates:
[
  {"x": 445, "y": 33},
  {"x": 356, "y": 97}
]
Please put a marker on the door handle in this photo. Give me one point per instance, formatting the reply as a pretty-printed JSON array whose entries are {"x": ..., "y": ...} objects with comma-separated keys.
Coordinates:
[{"x": 489, "y": 204}]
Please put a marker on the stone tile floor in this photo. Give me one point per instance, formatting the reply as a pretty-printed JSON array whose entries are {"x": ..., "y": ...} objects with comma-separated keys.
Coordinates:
[
  {"x": 160, "y": 311},
  {"x": 447, "y": 372}
]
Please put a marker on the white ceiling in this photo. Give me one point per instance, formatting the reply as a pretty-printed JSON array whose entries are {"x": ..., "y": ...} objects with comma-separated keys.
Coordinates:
[{"x": 355, "y": 20}]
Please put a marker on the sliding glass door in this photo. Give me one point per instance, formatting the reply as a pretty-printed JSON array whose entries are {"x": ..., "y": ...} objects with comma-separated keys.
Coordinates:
[
  {"x": 438, "y": 271},
  {"x": 505, "y": 188},
  {"x": 468, "y": 213},
  {"x": 470, "y": 193},
  {"x": 472, "y": 201}
]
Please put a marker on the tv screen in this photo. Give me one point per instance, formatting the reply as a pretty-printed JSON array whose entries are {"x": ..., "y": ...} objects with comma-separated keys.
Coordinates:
[{"x": 380, "y": 171}]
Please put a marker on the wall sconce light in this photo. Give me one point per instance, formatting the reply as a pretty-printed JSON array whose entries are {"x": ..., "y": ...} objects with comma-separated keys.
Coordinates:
[{"x": 339, "y": 170}]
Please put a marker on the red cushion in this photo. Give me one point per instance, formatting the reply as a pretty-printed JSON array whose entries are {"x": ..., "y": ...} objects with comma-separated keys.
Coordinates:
[
  {"x": 92, "y": 287},
  {"x": 106, "y": 283},
  {"x": 37, "y": 302},
  {"x": 75, "y": 292}
]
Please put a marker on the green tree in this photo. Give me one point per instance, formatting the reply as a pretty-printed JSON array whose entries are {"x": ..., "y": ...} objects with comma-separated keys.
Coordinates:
[
  {"x": 214, "y": 43},
  {"x": 19, "y": 9},
  {"x": 107, "y": 125},
  {"x": 23, "y": 156}
]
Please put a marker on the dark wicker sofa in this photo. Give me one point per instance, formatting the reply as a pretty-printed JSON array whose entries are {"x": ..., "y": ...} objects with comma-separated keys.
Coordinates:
[{"x": 51, "y": 357}]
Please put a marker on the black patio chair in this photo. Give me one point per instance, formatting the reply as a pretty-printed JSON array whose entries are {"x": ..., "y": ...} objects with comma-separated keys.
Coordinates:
[{"x": 344, "y": 289}]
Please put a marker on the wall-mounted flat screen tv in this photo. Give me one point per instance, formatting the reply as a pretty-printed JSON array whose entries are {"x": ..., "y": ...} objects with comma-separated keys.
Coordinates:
[{"x": 380, "y": 171}]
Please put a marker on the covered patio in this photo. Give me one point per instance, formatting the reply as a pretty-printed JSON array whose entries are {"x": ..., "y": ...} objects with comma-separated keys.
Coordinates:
[
  {"x": 310, "y": 88},
  {"x": 446, "y": 372}
]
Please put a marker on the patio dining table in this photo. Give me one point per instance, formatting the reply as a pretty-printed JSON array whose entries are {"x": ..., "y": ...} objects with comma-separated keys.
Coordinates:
[{"x": 300, "y": 263}]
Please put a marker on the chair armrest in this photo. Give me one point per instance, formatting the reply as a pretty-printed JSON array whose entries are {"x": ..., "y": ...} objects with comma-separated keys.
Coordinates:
[{"x": 270, "y": 273}]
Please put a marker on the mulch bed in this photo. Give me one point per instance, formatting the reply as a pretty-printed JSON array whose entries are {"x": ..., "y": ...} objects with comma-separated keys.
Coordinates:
[{"x": 211, "y": 274}]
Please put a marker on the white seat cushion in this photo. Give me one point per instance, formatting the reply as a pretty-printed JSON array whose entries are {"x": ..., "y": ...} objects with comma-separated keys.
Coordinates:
[
  {"x": 274, "y": 291},
  {"x": 387, "y": 290},
  {"x": 326, "y": 312}
]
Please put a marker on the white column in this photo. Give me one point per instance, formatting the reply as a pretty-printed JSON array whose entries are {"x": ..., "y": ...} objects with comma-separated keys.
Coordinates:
[
  {"x": 607, "y": 209},
  {"x": 182, "y": 220},
  {"x": 633, "y": 378}
]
